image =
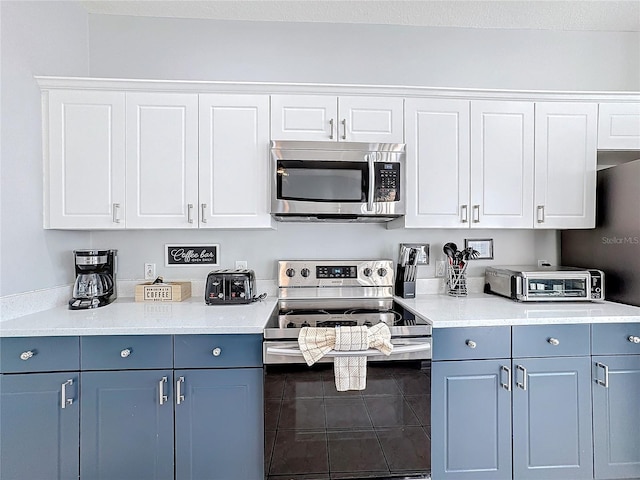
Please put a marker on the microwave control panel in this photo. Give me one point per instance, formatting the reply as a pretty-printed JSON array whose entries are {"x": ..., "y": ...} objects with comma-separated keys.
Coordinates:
[{"x": 387, "y": 182}]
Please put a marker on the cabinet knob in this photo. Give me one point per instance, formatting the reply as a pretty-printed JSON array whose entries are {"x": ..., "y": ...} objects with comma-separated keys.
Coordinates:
[
  {"x": 216, "y": 352},
  {"x": 553, "y": 341},
  {"x": 632, "y": 339},
  {"x": 470, "y": 344},
  {"x": 27, "y": 355},
  {"x": 125, "y": 353}
]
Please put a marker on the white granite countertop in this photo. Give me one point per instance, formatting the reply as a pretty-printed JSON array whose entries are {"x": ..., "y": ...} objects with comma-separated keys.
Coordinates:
[
  {"x": 125, "y": 316},
  {"x": 478, "y": 310}
]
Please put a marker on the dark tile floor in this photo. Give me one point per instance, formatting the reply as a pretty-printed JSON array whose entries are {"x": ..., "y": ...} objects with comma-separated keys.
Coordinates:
[{"x": 314, "y": 432}]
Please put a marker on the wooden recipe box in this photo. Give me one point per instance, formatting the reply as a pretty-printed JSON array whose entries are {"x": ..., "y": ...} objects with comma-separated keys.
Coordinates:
[{"x": 163, "y": 292}]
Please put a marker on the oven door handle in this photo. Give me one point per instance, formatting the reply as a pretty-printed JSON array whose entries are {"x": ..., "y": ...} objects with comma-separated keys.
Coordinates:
[{"x": 372, "y": 352}]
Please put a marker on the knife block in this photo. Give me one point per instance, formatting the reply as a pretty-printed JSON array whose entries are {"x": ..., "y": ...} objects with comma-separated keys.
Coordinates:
[{"x": 404, "y": 289}]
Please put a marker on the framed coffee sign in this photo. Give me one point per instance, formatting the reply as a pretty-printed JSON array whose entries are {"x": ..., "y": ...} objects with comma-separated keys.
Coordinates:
[{"x": 191, "y": 255}]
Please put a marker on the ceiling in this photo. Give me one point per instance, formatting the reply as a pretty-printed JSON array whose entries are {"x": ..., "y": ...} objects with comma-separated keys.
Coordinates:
[{"x": 594, "y": 15}]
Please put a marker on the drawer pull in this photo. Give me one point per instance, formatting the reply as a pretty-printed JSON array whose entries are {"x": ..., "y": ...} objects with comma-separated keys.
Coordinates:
[
  {"x": 162, "y": 396},
  {"x": 216, "y": 352},
  {"x": 553, "y": 341},
  {"x": 64, "y": 401},
  {"x": 179, "y": 394},
  {"x": 507, "y": 385},
  {"x": 27, "y": 355},
  {"x": 125, "y": 353},
  {"x": 634, "y": 339},
  {"x": 605, "y": 368},
  {"x": 470, "y": 344}
]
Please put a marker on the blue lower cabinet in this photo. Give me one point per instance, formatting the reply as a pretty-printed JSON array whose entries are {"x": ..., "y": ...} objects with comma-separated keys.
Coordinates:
[
  {"x": 127, "y": 425},
  {"x": 471, "y": 420},
  {"x": 219, "y": 424},
  {"x": 39, "y": 419},
  {"x": 552, "y": 436},
  {"x": 616, "y": 416}
]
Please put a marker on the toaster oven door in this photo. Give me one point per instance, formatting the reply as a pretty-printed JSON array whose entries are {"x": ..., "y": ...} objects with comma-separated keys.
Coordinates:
[{"x": 543, "y": 287}]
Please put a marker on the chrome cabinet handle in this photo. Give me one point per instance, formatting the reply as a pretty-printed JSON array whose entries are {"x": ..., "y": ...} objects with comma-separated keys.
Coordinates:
[
  {"x": 64, "y": 401},
  {"x": 507, "y": 385},
  {"x": 114, "y": 212},
  {"x": 203, "y": 207},
  {"x": 179, "y": 394},
  {"x": 331, "y": 129},
  {"x": 553, "y": 341},
  {"x": 471, "y": 344},
  {"x": 190, "y": 212},
  {"x": 540, "y": 214},
  {"x": 344, "y": 129},
  {"x": 27, "y": 355},
  {"x": 633, "y": 339},
  {"x": 464, "y": 213},
  {"x": 125, "y": 352},
  {"x": 476, "y": 214},
  {"x": 523, "y": 384},
  {"x": 605, "y": 368},
  {"x": 216, "y": 352},
  {"x": 162, "y": 397}
]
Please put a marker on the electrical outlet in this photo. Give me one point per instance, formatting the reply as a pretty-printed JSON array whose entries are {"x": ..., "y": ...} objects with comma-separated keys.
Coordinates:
[
  {"x": 544, "y": 263},
  {"x": 440, "y": 268},
  {"x": 149, "y": 271},
  {"x": 241, "y": 264}
]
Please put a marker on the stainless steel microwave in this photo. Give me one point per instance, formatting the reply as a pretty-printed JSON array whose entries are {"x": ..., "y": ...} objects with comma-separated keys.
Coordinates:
[
  {"x": 337, "y": 181},
  {"x": 545, "y": 284}
]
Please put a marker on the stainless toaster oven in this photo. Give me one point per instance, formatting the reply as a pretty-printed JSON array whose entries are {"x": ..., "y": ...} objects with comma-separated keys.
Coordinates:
[
  {"x": 225, "y": 287},
  {"x": 545, "y": 284}
]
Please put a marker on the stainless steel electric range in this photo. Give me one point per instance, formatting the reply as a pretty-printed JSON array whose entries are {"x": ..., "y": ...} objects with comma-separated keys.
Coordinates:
[{"x": 311, "y": 429}]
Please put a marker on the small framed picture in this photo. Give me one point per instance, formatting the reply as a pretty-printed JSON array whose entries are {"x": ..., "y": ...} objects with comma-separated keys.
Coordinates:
[
  {"x": 191, "y": 255},
  {"x": 483, "y": 245}
]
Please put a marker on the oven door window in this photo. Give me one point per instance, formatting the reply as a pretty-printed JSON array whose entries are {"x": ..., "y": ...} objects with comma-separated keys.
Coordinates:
[
  {"x": 322, "y": 181},
  {"x": 557, "y": 287}
]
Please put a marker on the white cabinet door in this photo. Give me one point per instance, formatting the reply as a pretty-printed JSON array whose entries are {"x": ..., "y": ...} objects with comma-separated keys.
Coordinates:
[
  {"x": 502, "y": 145},
  {"x": 337, "y": 119},
  {"x": 85, "y": 169},
  {"x": 162, "y": 160},
  {"x": 304, "y": 117},
  {"x": 565, "y": 165},
  {"x": 370, "y": 119},
  {"x": 619, "y": 126},
  {"x": 234, "y": 161},
  {"x": 437, "y": 170}
]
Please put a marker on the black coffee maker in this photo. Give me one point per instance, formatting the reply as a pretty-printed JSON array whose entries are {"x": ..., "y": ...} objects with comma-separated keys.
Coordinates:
[{"x": 95, "y": 284}]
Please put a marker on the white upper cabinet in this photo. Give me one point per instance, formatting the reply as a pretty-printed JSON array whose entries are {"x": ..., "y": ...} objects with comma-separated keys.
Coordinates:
[
  {"x": 234, "y": 161},
  {"x": 84, "y": 138},
  {"x": 565, "y": 165},
  {"x": 502, "y": 164},
  {"x": 619, "y": 126},
  {"x": 437, "y": 170},
  {"x": 343, "y": 119},
  {"x": 162, "y": 160}
]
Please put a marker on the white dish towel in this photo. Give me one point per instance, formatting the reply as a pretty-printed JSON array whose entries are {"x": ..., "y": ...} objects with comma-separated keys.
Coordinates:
[{"x": 350, "y": 371}]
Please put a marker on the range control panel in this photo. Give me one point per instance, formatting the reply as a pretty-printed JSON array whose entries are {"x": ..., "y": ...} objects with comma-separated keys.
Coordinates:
[{"x": 325, "y": 273}]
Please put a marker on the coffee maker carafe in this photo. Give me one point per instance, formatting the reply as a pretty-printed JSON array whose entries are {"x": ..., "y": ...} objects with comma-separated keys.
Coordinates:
[{"x": 95, "y": 284}]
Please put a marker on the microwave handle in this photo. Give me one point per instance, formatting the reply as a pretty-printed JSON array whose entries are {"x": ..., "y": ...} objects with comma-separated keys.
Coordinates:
[{"x": 372, "y": 179}]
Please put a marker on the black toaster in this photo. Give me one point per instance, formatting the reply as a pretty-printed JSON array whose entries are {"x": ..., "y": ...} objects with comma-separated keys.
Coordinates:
[{"x": 226, "y": 287}]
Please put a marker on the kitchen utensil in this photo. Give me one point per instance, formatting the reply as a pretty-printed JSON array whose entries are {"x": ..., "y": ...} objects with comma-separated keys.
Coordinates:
[{"x": 450, "y": 250}]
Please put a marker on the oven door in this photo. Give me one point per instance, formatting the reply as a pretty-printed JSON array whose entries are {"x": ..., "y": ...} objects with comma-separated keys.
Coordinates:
[{"x": 288, "y": 352}]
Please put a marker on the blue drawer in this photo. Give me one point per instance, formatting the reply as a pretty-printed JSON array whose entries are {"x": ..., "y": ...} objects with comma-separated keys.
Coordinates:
[
  {"x": 39, "y": 354},
  {"x": 126, "y": 352},
  {"x": 615, "y": 338},
  {"x": 550, "y": 340},
  {"x": 471, "y": 343},
  {"x": 217, "y": 351}
]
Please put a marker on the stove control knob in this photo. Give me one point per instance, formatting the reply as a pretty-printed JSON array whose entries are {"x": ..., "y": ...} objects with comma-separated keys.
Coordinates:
[
  {"x": 290, "y": 272},
  {"x": 305, "y": 272},
  {"x": 367, "y": 272},
  {"x": 382, "y": 272}
]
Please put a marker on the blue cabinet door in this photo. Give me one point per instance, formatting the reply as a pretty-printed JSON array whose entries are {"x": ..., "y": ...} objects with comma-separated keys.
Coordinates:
[
  {"x": 39, "y": 438},
  {"x": 219, "y": 424},
  {"x": 127, "y": 430},
  {"x": 471, "y": 420},
  {"x": 616, "y": 416},
  {"x": 552, "y": 436}
]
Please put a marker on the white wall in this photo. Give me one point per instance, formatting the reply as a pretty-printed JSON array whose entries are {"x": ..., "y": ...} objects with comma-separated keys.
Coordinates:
[{"x": 37, "y": 38}]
